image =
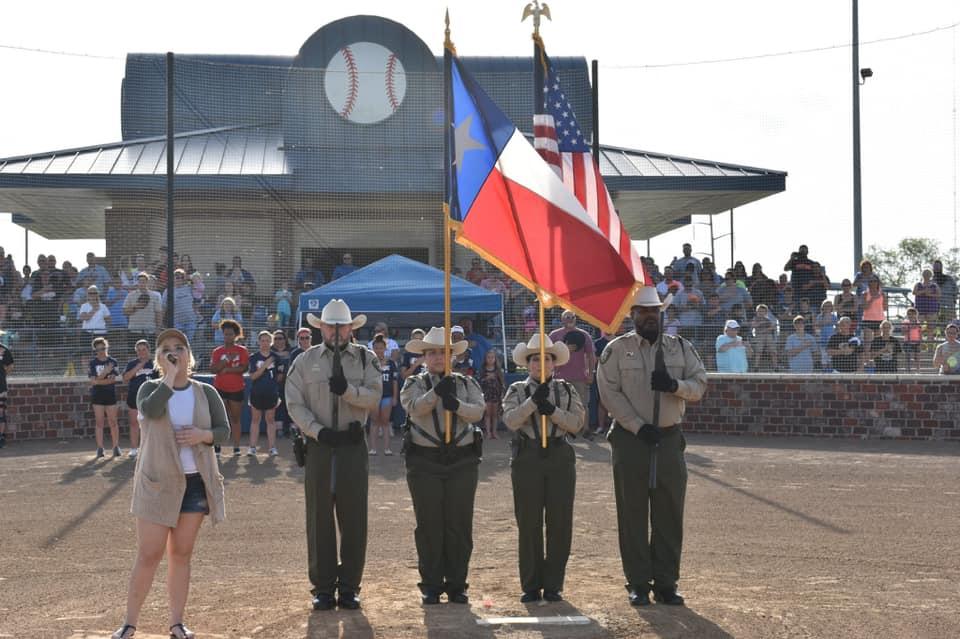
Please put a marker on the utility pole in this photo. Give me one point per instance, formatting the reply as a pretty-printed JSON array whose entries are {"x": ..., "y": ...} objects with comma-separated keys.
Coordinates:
[{"x": 857, "y": 213}]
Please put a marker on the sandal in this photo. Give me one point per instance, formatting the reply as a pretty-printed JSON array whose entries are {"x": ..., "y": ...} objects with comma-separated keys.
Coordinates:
[
  {"x": 125, "y": 632},
  {"x": 180, "y": 631}
]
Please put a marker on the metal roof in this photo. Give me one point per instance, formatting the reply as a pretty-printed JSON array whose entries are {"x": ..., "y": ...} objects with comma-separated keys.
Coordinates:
[
  {"x": 66, "y": 191},
  {"x": 221, "y": 151}
]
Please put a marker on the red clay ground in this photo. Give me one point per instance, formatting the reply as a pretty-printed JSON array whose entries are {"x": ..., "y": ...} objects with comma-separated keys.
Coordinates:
[{"x": 784, "y": 538}]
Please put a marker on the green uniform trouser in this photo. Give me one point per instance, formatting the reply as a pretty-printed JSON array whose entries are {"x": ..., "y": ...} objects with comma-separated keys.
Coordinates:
[
  {"x": 543, "y": 489},
  {"x": 335, "y": 487},
  {"x": 443, "y": 504},
  {"x": 656, "y": 560}
]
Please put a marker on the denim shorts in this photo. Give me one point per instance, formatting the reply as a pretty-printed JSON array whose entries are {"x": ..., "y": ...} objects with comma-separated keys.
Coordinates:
[{"x": 195, "y": 496}]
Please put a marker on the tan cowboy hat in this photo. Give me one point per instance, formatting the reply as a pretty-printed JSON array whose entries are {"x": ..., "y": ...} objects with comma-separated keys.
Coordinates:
[
  {"x": 559, "y": 350},
  {"x": 434, "y": 339},
  {"x": 336, "y": 312},
  {"x": 647, "y": 296}
]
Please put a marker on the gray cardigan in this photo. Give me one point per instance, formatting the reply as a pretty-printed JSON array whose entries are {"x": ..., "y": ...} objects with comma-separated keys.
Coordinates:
[{"x": 159, "y": 481}]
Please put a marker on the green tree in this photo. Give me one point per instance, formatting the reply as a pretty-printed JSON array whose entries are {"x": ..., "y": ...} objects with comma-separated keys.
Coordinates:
[{"x": 903, "y": 264}]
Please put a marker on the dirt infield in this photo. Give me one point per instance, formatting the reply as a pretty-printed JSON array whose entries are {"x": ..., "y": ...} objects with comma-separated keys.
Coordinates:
[{"x": 784, "y": 538}]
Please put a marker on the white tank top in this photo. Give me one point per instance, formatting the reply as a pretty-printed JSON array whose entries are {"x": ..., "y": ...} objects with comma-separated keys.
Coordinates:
[{"x": 180, "y": 409}]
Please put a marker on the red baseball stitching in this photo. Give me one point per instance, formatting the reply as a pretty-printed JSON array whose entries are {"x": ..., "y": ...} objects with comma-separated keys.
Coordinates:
[
  {"x": 354, "y": 88},
  {"x": 389, "y": 79}
]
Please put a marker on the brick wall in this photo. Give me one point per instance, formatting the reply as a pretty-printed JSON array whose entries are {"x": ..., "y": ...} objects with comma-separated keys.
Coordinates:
[
  {"x": 55, "y": 408},
  {"x": 858, "y": 406}
]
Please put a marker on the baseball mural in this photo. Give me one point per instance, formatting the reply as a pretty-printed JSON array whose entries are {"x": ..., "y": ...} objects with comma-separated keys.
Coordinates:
[{"x": 365, "y": 82}]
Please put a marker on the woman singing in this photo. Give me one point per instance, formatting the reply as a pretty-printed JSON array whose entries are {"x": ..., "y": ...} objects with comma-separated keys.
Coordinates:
[{"x": 177, "y": 479}]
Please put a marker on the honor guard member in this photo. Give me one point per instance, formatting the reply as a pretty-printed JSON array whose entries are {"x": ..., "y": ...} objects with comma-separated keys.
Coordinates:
[
  {"x": 649, "y": 471},
  {"x": 544, "y": 479},
  {"x": 330, "y": 389},
  {"x": 442, "y": 476}
]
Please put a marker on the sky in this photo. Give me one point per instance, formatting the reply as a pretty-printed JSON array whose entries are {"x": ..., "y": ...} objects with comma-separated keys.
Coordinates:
[{"x": 724, "y": 81}]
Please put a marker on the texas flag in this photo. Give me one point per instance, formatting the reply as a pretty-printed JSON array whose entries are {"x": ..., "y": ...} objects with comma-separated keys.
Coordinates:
[{"x": 508, "y": 205}]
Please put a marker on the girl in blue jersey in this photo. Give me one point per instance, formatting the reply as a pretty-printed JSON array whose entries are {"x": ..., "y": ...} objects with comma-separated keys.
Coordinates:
[
  {"x": 137, "y": 371},
  {"x": 282, "y": 351},
  {"x": 380, "y": 418},
  {"x": 103, "y": 375},
  {"x": 264, "y": 393}
]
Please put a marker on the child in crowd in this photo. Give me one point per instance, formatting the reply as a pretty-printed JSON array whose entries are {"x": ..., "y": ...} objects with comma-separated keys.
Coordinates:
[
  {"x": 199, "y": 288},
  {"x": 824, "y": 326},
  {"x": 228, "y": 363},
  {"x": 284, "y": 300},
  {"x": 264, "y": 393},
  {"x": 493, "y": 384},
  {"x": 380, "y": 418},
  {"x": 103, "y": 375},
  {"x": 138, "y": 370},
  {"x": 764, "y": 328},
  {"x": 912, "y": 331},
  {"x": 281, "y": 355}
]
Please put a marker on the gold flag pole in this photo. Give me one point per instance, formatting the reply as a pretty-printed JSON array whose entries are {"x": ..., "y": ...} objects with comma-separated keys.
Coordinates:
[
  {"x": 446, "y": 315},
  {"x": 543, "y": 369},
  {"x": 447, "y": 363},
  {"x": 536, "y": 9}
]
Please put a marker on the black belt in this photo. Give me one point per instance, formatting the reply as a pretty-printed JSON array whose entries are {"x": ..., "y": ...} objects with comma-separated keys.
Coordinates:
[
  {"x": 446, "y": 455},
  {"x": 665, "y": 431},
  {"x": 552, "y": 442}
]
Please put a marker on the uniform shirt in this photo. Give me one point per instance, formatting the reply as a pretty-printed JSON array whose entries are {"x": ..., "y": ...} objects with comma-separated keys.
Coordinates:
[
  {"x": 389, "y": 373},
  {"x": 96, "y": 367},
  {"x": 519, "y": 408},
  {"x": 235, "y": 355},
  {"x": 294, "y": 354},
  {"x": 266, "y": 384},
  {"x": 145, "y": 373},
  {"x": 623, "y": 379},
  {"x": 309, "y": 401},
  {"x": 6, "y": 359},
  {"x": 421, "y": 402},
  {"x": 282, "y": 363}
]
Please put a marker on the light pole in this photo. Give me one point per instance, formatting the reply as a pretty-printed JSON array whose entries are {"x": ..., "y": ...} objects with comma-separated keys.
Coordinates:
[{"x": 857, "y": 219}]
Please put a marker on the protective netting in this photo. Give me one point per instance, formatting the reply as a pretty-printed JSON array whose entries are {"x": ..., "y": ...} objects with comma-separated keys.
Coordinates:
[{"x": 289, "y": 176}]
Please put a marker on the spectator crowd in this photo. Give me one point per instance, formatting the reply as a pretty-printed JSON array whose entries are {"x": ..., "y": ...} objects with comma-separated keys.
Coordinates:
[{"x": 739, "y": 322}]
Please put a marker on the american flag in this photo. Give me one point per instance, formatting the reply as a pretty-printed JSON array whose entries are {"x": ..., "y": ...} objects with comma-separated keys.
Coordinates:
[{"x": 560, "y": 141}]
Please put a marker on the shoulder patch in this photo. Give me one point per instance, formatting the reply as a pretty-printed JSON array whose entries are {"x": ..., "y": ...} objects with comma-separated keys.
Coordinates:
[
  {"x": 376, "y": 364},
  {"x": 605, "y": 355}
]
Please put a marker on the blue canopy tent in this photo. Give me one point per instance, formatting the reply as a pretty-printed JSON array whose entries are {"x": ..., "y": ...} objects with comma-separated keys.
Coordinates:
[{"x": 396, "y": 284}]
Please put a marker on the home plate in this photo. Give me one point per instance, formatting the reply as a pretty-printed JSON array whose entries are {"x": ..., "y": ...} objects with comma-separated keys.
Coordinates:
[{"x": 575, "y": 620}]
